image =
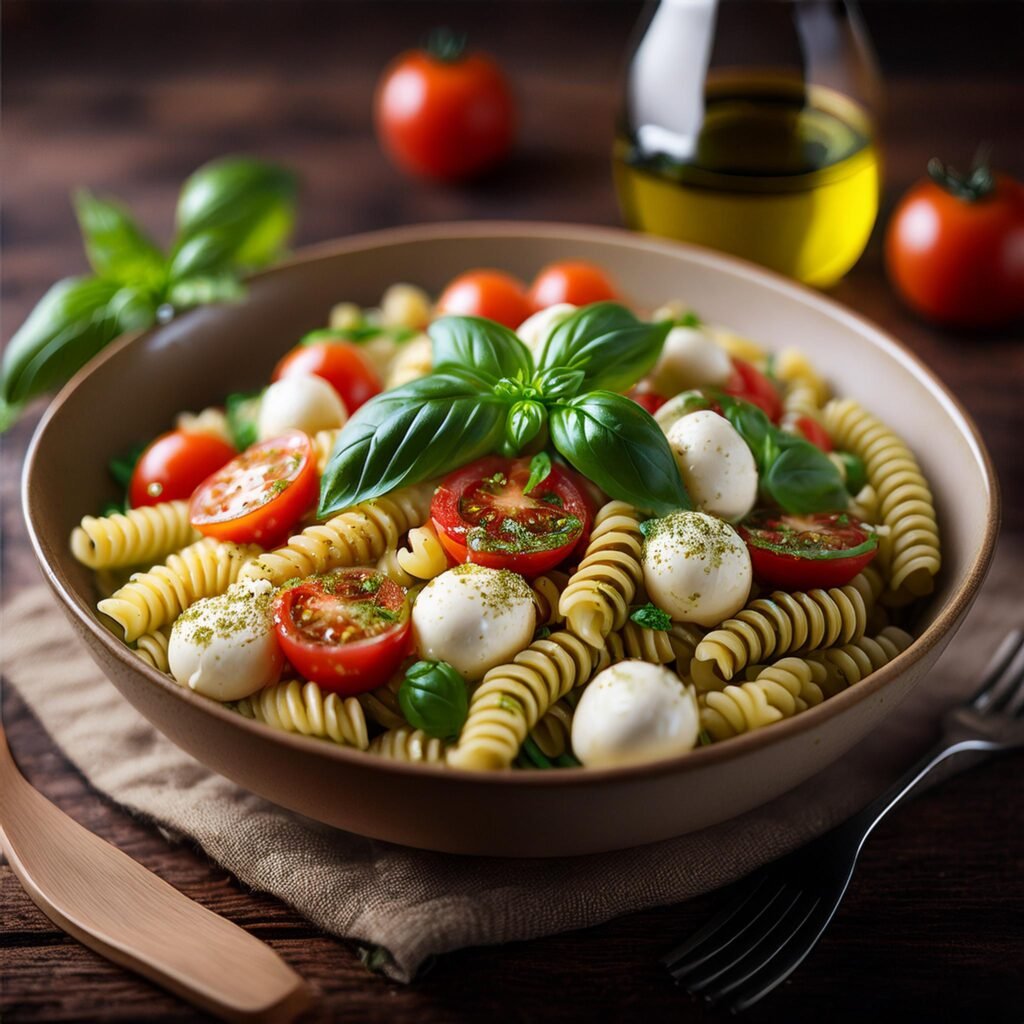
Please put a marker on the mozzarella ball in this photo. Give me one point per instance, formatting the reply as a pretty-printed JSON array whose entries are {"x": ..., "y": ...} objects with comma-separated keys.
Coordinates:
[
  {"x": 634, "y": 712},
  {"x": 301, "y": 402},
  {"x": 690, "y": 359},
  {"x": 474, "y": 618},
  {"x": 715, "y": 463},
  {"x": 696, "y": 567},
  {"x": 534, "y": 330},
  {"x": 225, "y": 647}
]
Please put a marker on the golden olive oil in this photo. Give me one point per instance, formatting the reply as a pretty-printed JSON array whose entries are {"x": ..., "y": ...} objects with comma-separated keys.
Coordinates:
[{"x": 782, "y": 173}]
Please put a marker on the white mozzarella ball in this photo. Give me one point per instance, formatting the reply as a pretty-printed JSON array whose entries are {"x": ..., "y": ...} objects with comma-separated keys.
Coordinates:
[
  {"x": 474, "y": 618},
  {"x": 690, "y": 359},
  {"x": 300, "y": 402},
  {"x": 715, "y": 463},
  {"x": 534, "y": 330},
  {"x": 634, "y": 712},
  {"x": 225, "y": 647},
  {"x": 696, "y": 567}
]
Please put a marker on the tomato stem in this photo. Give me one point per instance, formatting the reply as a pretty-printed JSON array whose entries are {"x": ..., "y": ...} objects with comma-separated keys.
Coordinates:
[
  {"x": 968, "y": 187},
  {"x": 445, "y": 45}
]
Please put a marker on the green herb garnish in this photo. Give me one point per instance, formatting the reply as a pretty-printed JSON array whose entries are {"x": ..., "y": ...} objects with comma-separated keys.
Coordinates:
[{"x": 650, "y": 616}]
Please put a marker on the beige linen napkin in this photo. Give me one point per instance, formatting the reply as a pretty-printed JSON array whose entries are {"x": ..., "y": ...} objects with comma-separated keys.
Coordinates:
[{"x": 413, "y": 903}]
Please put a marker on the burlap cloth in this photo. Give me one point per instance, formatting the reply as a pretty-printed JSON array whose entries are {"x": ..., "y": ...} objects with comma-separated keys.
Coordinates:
[{"x": 416, "y": 904}]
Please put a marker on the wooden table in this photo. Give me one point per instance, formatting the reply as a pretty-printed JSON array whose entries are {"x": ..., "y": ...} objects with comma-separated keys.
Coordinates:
[{"x": 130, "y": 97}]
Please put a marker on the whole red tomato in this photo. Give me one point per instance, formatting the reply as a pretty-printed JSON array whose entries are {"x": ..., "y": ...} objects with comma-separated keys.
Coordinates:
[
  {"x": 174, "y": 465},
  {"x": 445, "y": 114},
  {"x": 572, "y": 281},
  {"x": 488, "y": 293},
  {"x": 955, "y": 248}
]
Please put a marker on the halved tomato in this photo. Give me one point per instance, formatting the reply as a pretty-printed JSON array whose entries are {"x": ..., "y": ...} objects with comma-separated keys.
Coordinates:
[
  {"x": 484, "y": 515},
  {"x": 806, "y": 552},
  {"x": 347, "y": 630},
  {"x": 259, "y": 496},
  {"x": 751, "y": 385},
  {"x": 174, "y": 464}
]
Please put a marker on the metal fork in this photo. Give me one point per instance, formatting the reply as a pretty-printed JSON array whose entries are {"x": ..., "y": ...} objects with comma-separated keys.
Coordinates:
[{"x": 757, "y": 941}]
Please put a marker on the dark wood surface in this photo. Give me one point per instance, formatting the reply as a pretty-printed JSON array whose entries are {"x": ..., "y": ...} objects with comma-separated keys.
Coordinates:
[{"x": 128, "y": 98}]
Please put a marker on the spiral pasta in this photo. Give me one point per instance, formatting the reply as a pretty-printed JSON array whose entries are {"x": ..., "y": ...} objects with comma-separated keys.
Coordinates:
[
  {"x": 653, "y": 645},
  {"x": 422, "y": 558},
  {"x": 304, "y": 708},
  {"x": 547, "y": 590},
  {"x": 684, "y": 638},
  {"x": 152, "y": 648},
  {"x": 598, "y": 595},
  {"x": 411, "y": 745},
  {"x": 414, "y": 359},
  {"x": 323, "y": 445},
  {"x": 511, "y": 699},
  {"x": 780, "y": 624},
  {"x": 136, "y": 537},
  {"x": 910, "y": 551},
  {"x": 153, "y": 599},
  {"x": 212, "y": 420},
  {"x": 381, "y": 705},
  {"x": 777, "y": 691},
  {"x": 553, "y": 732},
  {"x": 850, "y": 663},
  {"x": 358, "y": 536}
]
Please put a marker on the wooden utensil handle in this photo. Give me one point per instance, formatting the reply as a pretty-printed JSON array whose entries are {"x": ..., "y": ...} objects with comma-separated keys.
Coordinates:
[{"x": 117, "y": 907}]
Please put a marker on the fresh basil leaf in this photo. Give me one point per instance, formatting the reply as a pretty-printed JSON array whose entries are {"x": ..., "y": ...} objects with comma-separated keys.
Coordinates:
[
  {"x": 752, "y": 425},
  {"x": 559, "y": 383},
  {"x": 200, "y": 291},
  {"x": 68, "y": 326},
  {"x": 856, "y": 471},
  {"x": 414, "y": 432},
  {"x": 616, "y": 444},
  {"x": 116, "y": 246},
  {"x": 540, "y": 470},
  {"x": 608, "y": 343},
  {"x": 650, "y": 616},
  {"x": 433, "y": 697},
  {"x": 250, "y": 203},
  {"x": 243, "y": 412},
  {"x": 202, "y": 254},
  {"x": 803, "y": 479},
  {"x": 525, "y": 420},
  {"x": 482, "y": 349}
]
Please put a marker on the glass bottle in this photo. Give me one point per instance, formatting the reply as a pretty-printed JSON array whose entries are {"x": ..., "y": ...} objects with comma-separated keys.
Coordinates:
[{"x": 748, "y": 127}]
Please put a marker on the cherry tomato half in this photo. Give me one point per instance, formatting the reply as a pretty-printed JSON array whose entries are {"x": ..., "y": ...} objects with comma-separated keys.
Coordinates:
[
  {"x": 260, "y": 495},
  {"x": 751, "y": 385},
  {"x": 445, "y": 116},
  {"x": 174, "y": 465},
  {"x": 347, "y": 630},
  {"x": 488, "y": 293},
  {"x": 814, "y": 432},
  {"x": 571, "y": 281},
  {"x": 953, "y": 248},
  {"x": 482, "y": 515},
  {"x": 804, "y": 552},
  {"x": 340, "y": 363}
]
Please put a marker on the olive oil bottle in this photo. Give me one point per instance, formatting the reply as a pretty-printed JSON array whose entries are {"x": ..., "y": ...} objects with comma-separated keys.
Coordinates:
[{"x": 761, "y": 163}]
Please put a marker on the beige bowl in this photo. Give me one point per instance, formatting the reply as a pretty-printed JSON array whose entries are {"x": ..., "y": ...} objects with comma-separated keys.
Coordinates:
[{"x": 135, "y": 388}]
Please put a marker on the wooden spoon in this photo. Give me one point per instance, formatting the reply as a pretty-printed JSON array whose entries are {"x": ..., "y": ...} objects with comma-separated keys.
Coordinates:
[{"x": 106, "y": 900}]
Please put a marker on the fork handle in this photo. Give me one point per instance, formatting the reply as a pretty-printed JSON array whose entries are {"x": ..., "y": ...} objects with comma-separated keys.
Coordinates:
[{"x": 864, "y": 822}]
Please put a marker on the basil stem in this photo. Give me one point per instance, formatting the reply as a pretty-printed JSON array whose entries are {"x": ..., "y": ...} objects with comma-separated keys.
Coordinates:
[{"x": 615, "y": 443}]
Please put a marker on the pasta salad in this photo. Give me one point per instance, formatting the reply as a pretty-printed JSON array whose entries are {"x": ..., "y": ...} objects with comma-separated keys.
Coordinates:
[{"x": 490, "y": 533}]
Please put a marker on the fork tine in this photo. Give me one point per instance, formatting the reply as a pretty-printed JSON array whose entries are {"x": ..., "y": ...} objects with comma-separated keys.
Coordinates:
[
  {"x": 745, "y": 908},
  {"x": 722, "y": 965},
  {"x": 1013, "y": 700},
  {"x": 787, "y": 959},
  {"x": 995, "y": 679}
]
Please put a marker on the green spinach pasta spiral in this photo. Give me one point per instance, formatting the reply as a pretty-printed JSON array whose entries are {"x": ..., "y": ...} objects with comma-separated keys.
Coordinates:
[
  {"x": 304, "y": 708},
  {"x": 136, "y": 537},
  {"x": 156, "y": 598},
  {"x": 512, "y": 698},
  {"x": 910, "y": 552},
  {"x": 358, "y": 536},
  {"x": 410, "y": 745},
  {"x": 598, "y": 595},
  {"x": 780, "y": 624},
  {"x": 777, "y": 691}
]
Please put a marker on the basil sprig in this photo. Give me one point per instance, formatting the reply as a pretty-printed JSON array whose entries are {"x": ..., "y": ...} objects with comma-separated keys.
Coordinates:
[
  {"x": 487, "y": 395},
  {"x": 433, "y": 697},
  {"x": 795, "y": 474},
  {"x": 233, "y": 215}
]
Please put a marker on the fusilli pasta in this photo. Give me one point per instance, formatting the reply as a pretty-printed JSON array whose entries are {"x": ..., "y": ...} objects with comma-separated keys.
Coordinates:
[
  {"x": 547, "y": 590},
  {"x": 422, "y": 558},
  {"x": 139, "y": 536},
  {"x": 323, "y": 445},
  {"x": 152, "y": 648},
  {"x": 598, "y": 595},
  {"x": 212, "y": 420},
  {"x": 412, "y": 745},
  {"x": 303, "y": 708},
  {"x": 850, "y": 663}
]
